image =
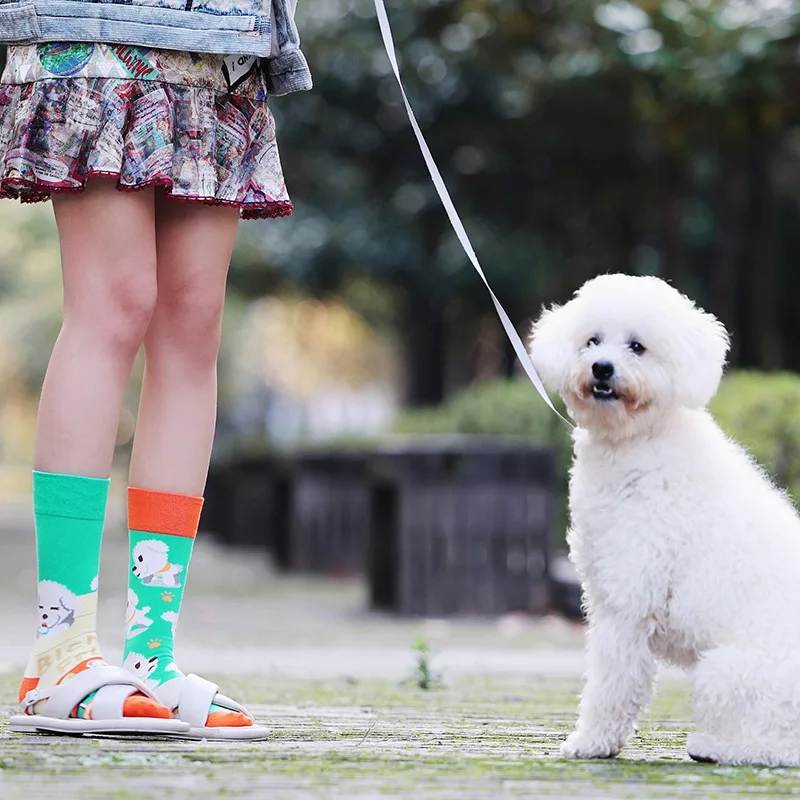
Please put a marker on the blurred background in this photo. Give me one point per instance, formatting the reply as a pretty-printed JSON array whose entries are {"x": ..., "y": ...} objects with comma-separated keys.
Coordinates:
[{"x": 576, "y": 137}]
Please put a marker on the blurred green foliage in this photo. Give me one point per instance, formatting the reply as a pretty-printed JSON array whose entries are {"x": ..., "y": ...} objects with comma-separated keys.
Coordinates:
[
  {"x": 762, "y": 411},
  {"x": 577, "y": 137}
]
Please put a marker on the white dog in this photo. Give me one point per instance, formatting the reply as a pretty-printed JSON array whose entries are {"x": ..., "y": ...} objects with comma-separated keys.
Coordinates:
[
  {"x": 141, "y": 666},
  {"x": 686, "y": 551},
  {"x": 151, "y": 564},
  {"x": 136, "y": 618},
  {"x": 57, "y": 608}
]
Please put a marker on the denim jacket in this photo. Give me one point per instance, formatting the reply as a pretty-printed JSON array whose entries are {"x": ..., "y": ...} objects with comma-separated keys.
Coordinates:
[{"x": 264, "y": 28}]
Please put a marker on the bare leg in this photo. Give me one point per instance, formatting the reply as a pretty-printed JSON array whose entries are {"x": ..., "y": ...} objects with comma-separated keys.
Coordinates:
[
  {"x": 108, "y": 256},
  {"x": 178, "y": 410}
]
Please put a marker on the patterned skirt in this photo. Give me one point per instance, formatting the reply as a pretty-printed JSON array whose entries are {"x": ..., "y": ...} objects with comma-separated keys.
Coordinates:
[{"x": 201, "y": 142}]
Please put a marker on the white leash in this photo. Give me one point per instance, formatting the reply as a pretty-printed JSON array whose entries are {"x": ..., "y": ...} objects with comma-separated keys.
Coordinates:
[{"x": 455, "y": 220}]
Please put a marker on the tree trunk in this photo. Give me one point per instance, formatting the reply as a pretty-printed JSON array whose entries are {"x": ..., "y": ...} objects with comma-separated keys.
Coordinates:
[
  {"x": 763, "y": 347},
  {"x": 425, "y": 344},
  {"x": 425, "y": 326},
  {"x": 511, "y": 365},
  {"x": 675, "y": 266},
  {"x": 725, "y": 278}
]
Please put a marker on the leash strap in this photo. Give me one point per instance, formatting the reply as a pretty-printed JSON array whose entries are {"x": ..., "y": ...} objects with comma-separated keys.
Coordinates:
[{"x": 455, "y": 220}]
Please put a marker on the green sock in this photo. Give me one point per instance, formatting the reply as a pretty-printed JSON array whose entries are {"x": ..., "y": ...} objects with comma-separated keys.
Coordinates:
[
  {"x": 69, "y": 511},
  {"x": 162, "y": 530}
]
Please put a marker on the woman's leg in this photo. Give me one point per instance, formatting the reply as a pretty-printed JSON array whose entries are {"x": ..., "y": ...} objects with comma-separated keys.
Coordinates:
[
  {"x": 108, "y": 258},
  {"x": 178, "y": 410},
  {"x": 175, "y": 431}
]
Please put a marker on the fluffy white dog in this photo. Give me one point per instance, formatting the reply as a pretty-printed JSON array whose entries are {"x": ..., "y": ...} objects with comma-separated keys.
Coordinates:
[
  {"x": 686, "y": 551},
  {"x": 141, "y": 666},
  {"x": 57, "y": 608},
  {"x": 136, "y": 618},
  {"x": 152, "y": 566}
]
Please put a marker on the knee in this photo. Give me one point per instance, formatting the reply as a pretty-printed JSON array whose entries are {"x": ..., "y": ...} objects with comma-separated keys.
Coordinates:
[
  {"x": 115, "y": 317},
  {"x": 187, "y": 325}
]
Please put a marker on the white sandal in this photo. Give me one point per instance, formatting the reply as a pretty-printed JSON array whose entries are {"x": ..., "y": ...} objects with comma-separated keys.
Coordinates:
[
  {"x": 113, "y": 686},
  {"x": 191, "y": 698}
]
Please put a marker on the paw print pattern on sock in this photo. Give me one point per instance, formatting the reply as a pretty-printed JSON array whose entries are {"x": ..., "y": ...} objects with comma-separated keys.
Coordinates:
[
  {"x": 154, "y": 644},
  {"x": 57, "y": 608},
  {"x": 151, "y": 564},
  {"x": 137, "y": 619},
  {"x": 168, "y": 597}
]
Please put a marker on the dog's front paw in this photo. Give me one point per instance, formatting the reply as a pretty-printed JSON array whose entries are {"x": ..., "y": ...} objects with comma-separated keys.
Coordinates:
[{"x": 587, "y": 745}]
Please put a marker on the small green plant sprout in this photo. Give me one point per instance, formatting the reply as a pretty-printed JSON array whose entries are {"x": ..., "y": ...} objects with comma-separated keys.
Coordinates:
[{"x": 423, "y": 677}]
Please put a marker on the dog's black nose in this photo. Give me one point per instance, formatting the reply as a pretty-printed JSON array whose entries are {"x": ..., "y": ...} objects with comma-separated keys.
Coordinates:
[
  {"x": 602, "y": 370},
  {"x": 44, "y": 616}
]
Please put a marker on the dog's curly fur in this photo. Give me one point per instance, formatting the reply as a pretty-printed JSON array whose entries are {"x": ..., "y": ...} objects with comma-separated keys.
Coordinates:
[{"x": 688, "y": 554}]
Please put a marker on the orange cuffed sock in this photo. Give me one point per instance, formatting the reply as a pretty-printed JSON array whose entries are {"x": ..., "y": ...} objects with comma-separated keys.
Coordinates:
[{"x": 162, "y": 528}]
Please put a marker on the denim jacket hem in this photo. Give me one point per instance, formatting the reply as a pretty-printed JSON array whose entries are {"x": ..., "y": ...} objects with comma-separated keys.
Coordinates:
[{"x": 272, "y": 36}]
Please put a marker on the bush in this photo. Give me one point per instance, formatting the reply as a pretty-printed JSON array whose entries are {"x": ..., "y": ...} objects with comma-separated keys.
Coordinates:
[{"x": 760, "y": 410}]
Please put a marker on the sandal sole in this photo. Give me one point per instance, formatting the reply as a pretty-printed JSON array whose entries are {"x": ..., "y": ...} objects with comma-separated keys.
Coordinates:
[
  {"x": 132, "y": 726},
  {"x": 252, "y": 733}
]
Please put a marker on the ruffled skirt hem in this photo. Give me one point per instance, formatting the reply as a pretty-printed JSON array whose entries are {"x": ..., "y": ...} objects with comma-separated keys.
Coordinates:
[{"x": 200, "y": 145}]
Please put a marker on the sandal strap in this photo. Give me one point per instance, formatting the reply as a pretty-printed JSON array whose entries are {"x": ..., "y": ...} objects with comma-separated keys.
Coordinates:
[
  {"x": 193, "y": 697},
  {"x": 109, "y": 702},
  {"x": 65, "y": 697}
]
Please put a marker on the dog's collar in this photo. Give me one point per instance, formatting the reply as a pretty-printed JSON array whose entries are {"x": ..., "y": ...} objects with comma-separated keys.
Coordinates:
[{"x": 164, "y": 569}]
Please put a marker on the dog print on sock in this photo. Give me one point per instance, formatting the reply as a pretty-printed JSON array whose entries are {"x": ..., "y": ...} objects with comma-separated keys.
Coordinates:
[
  {"x": 151, "y": 564},
  {"x": 57, "y": 608},
  {"x": 137, "y": 619}
]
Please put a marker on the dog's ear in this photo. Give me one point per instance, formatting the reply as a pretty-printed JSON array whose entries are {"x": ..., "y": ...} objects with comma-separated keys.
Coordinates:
[
  {"x": 551, "y": 346},
  {"x": 70, "y": 602},
  {"x": 700, "y": 348}
]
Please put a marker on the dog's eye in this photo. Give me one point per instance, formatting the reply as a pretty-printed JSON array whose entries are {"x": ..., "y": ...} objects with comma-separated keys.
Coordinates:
[
  {"x": 637, "y": 347},
  {"x": 140, "y": 559},
  {"x": 593, "y": 341}
]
